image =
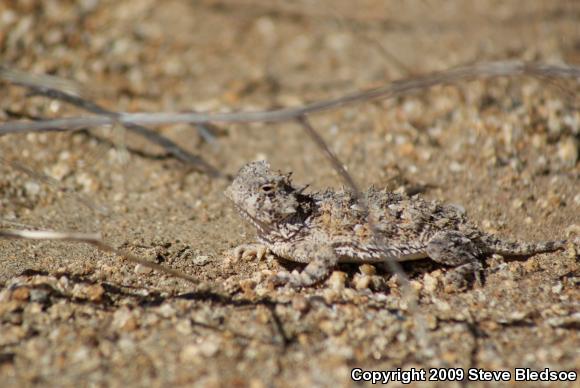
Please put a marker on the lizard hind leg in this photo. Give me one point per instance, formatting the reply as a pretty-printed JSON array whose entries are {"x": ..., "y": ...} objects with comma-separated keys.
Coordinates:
[{"x": 454, "y": 249}]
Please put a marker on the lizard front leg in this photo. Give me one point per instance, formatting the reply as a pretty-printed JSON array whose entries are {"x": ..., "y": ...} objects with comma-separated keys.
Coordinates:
[
  {"x": 248, "y": 251},
  {"x": 321, "y": 260}
]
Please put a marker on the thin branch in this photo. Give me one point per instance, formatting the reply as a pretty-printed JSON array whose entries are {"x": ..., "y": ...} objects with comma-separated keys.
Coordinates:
[
  {"x": 95, "y": 240},
  {"x": 336, "y": 164},
  {"x": 394, "y": 267},
  {"x": 409, "y": 296},
  {"x": 394, "y": 89},
  {"x": 54, "y": 90}
]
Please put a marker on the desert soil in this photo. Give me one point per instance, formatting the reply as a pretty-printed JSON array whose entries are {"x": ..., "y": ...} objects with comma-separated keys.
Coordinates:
[{"x": 505, "y": 149}]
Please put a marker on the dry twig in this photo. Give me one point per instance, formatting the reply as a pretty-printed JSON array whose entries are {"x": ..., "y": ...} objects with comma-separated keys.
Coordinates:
[
  {"x": 393, "y": 89},
  {"x": 50, "y": 88},
  {"x": 95, "y": 240}
]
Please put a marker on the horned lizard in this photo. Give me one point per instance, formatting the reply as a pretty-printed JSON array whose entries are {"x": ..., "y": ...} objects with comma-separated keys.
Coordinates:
[{"x": 324, "y": 228}]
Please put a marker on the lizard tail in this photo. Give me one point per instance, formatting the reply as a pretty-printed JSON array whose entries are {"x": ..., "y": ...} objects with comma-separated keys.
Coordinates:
[{"x": 494, "y": 244}]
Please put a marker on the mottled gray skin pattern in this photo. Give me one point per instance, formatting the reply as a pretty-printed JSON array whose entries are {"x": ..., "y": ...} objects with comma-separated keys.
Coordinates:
[{"x": 322, "y": 229}]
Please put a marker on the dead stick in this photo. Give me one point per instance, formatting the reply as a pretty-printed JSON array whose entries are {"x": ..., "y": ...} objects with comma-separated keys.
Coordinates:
[
  {"x": 95, "y": 240},
  {"x": 394, "y": 89}
]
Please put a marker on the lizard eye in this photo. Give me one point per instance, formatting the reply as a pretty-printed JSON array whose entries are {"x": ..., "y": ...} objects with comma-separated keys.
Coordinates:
[{"x": 267, "y": 188}]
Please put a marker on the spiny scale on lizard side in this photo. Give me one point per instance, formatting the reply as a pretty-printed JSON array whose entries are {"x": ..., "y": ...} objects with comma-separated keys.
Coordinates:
[{"x": 324, "y": 228}]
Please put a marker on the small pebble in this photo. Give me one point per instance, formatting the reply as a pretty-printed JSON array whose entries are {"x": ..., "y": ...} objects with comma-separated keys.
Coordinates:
[
  {"x": 39, "y": 295},
  {"x": 95, "y": 292},
  {"x": 189, "y": 353},
  {"x": 60, "y": 170},
  {"x": 367, "y": 269},
  {"x": 337, "y": 280},
  {"x": 300, "y": 303},
  {"x": 555, "y": 200},
  {"x": 430, "y": 283},
  {"x": 330, "y": 295},
  {"x": 362, "y": 282},
  {"x": 572, "y": 230},
  {"x": 407, "y": 150},
  {"x": 568, "y": 151},
  {"x": 21, "y": 294},
  {"x": 456, "y": 167},
  {"x": 531, "y": 266},
  {"x": 431, "y": 321},
  {"x": 184, "y": 327},
  {"x": 32, "y": 188},
  {"x": 248, "y": 287},
  {"x": 194, "y": 352},
  {"x": 415, "y": 285},
  {"x": 209, "y": 348},
  {"x": 327, "y": 327},
  {"x": 166, "y": 310},
  {"x": 201, "y": 260},
  {"x": 142, "y": 270},
  {"x": 264, "y": 289},
  {"x": 441, "y": 305},
  {"x": 124, "y": 320}
]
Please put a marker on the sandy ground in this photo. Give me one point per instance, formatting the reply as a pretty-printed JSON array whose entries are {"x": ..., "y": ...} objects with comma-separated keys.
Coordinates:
[{"x": 506, "y": 150}]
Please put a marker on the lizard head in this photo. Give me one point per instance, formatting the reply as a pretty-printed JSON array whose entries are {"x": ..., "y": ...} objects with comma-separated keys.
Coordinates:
[{"x": 263, "y": 196}]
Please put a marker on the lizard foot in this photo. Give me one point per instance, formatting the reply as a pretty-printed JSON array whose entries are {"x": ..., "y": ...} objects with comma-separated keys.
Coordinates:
[{"x": 248, "y": 252}]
